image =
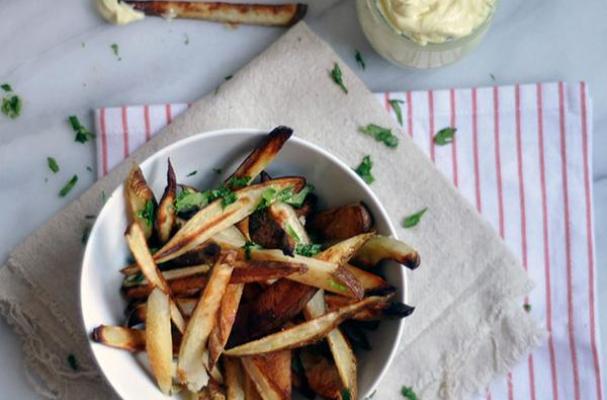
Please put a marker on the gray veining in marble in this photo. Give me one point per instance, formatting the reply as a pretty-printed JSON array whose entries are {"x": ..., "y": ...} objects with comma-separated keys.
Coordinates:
[{"x": 57, "y": 56}]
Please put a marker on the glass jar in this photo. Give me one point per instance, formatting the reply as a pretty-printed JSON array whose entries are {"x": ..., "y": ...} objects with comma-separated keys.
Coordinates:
[{"x": 397, "y": 48}]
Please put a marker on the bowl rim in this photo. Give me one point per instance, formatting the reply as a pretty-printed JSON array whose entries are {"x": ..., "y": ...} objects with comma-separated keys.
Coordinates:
[{"x": 251, "y": 132}]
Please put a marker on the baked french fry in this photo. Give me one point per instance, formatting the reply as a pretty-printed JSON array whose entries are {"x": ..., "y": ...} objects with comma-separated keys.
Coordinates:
[
  {"x": 140, "y": 201},
  {"x": 229, "y": 238},
  {"x": 225, "y": 320},
  {"x": 190, "y": 369},
  {"x": 381, "y": 248},
  {"x": 266, "y": 232},
  {"x": 302, "y": 334},
  {"x": 287, "y": 219},
  {"x": 322, "y": 376},
  {"x": 234, "y": 379},
  {"x": 158, "y": 338},
  {"x": 218, "y": 216},
  {"x": 229, "y": 13},
  {"x": 173, "y": 274},
  {"x": 243, "y": 227},
  {"x": 271, "y": 374},
  {"x": 261, "y": 271},
  {"x": 368, "y": 280},
  {"x": 343, "y": 356},
  {"x": 341, "y": 223},
  {"x": 165, "y": 213},
  {"x": 139, "y": 313},
  {"x": 250, "y": 390},
  {"x": 340, "y": 253},
  {"x": 119, "y": 337}
]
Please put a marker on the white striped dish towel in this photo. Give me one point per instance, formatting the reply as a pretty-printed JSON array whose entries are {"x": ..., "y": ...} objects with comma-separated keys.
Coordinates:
[{"x": 521, "y": 155}]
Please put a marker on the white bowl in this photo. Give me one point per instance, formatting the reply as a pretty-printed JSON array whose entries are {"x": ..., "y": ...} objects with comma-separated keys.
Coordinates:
[{"x": 106, "y": 251}]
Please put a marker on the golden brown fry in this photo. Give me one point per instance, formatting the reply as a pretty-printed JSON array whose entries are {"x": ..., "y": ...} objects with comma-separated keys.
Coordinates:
[
  {"x": 190, "y": 368},
  {"x": 138, "y": 314},
  {"x": 261, "y": 271},
  {"x": 381, "y": 248},
  {"x": 243, "y": 227},
  {"x": 250, "y": 390},
  {"x": 268, "y": 234},
  {"x": 320, "y": 274},
  {"x": 230, "y": 13},
  {"x": 343, "y": 222},
  {"x": 158, "y": 339},
  {"x": 225, "y": 320},
  {"x": 302, "y": 334},
  {"x": 264, "y": 153},
  {"x": 235, "y": 383},
  {"x": 229, "y": 238},
  {"x": 287, "y": 219},
  {"x": 271, "y": 374},
  {"x": 340, "y": 253},
  {"x": 140, "y": 200},
  {"x": 119, "y": 337},
  {"x": 216, "y": 217},
  {"x": 343, "y": 356},
  {"x": 170, "y": 275},
  {"x": 322, "y": 376},
  {"x": 137, "y": 243},
  {"x": 165, "y": 213},
  {"x": 368, "y": 280}
]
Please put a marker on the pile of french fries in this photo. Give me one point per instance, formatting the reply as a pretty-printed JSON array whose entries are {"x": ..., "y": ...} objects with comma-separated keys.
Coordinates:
[{"x": 254, "y": 292}]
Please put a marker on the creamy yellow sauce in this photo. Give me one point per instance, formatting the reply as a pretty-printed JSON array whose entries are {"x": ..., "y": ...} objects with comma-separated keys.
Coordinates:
[
  {"x": 117, "y": 12},
  {"x": 436, "y": 21}
]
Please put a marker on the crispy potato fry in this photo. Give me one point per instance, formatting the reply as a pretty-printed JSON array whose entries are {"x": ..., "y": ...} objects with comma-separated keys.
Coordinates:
[
  {"x": 381, "y": 248},
  {"x": 234, "y": 379},
  {"x": 340, "y": 253},
  {"x": 276, "y": 305},
  {"x": 322, "y": 376},
  {"x": 250, "y": 391},
  {"x": 158, "y": 339},
  {"x": 190, "y": 368},
  {"x": 165, "y": 213},
  {"x": 268, "y": 234},
  {"x": 214, "y": 218},
  {"x": 320, "y": 274},
  {"x": 139, "y": 313},
  {"x": 271, "y": 374},
  {"x": 171, "y": 275},
  {"x": 225, "y": 320},
  {"x": 261, "y": 271},
  {"x": 263, "y": 154},
  {"x": 302, "y": 334},
  {"x": 343, "y": 356},
  {"x": 137, "y": 243},
  {"x": 140, "y": 201},
  {"x": 342, "y": 222},
  {"x": 229, "y": 13},
  {"x": 368, "y": 280},
  {"x": 287, "y": 219},
  {"x": 243, "y": 227},
  {"x": 119, "y": 337},
  {"x": 229, "y": 238}
]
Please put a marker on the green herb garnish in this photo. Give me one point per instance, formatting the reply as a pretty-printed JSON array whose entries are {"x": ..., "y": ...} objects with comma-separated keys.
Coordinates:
[
  {"x": 527, "y": 307},
  {"x": 345, "y": 394},
  {"x": 11, "y": 106},
  {"x": 408, "y": 393},
  {"x": 381, "y": 134},
  {"x": 6, "y": 87},
  {"x": 103, "y": 197},
  {"x": 186, "y": 200},
  {"x": 336, "y": 285},
  {"x": 395, "y": 104},
  {"x": 68, "y": 186},
  {"x": 89, "y": 169},
  {"x": 192, "y": 173},
  {"x": 147, "y": 214},
  {"x": 83, "y": 135},
  {"x": 413, "y": 219},
  {"x": 359, "y": 60},
  {"x": 270, "y": 195},
  {"x": 291, "y": 232},
  {"x": 90, "y": 216},
  {"x": 52, "y": 164},
  {"x": 444, "y": 136},
  {"x": 308, "y": 250},
  {"x": 492, "y": 77},
  {"x": 72, "y": 362},
  {"x": 364, "y": 170},
  {"x": 115, "y": 50},
  {"x": 85, "y": 234},
  {"x": 247, "y": 248},
  {"x": 236, "y": 182},
  {"x": 227, "y": 78},
  {"x": 297, "y": 199},
  {"x": 337, "y": 77},
  {"x": 218, "y": 171},
  {"x": 186, "y": 39}
]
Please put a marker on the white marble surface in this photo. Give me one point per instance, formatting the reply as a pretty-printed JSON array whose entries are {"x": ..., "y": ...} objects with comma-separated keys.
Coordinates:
[{"x": 44, "y": 59}]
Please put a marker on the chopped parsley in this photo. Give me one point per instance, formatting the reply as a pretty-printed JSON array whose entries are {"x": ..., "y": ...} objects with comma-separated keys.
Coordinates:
[
  {"x": 236, "y": 182},
  {"x": 308, "y": 250},
  {"x": 527, "y": 307},
  {"x": 336, "y": 285},
  {"x": 73, "y": 362},
  {"x": 492, "y": 77},
  {"x": 187, "y": 200},
  {"x": 68, "y": 186},
  {"x": 444, "y": 136},
  {"x": 413, "y": 219},
  {"x": 381, "y": 134},
  {"x": 103, "y": 197},
  {"x": 116, "y": 50},
  {"x": 364, "y": 170},
  {"x": 227, "y": 78},
  {"x": 337, "y": 77},
  {"x": 359, "y": 60},
  {"x": 147, "y": 214},
  {"x": 408, "y": 393},
  {"x": 345, "y": 394},
  {"x": 90, "y": 216},
  {"x": 11, "y": 106},
  {"x": 247, "y": 248},
  {"x": 83, "y": 135},
  {"x": 270, "y": 195},
  {"x": 192, "y": 173},
  {"x": 52, "y": 164},
  {"x": 297, "y": 199},
  {"x": 6, "y": 87},
  {"x": 395, "y": 104},
  {"x": 85, "y": 234},
  {"x": 291, "y": 232},
  {"x": 186, "y": 39},
  {"x": 218, "y": 171}
]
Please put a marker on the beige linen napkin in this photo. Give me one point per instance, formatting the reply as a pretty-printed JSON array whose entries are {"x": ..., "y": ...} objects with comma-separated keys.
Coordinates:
[{"x": 468, "y": 325}]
